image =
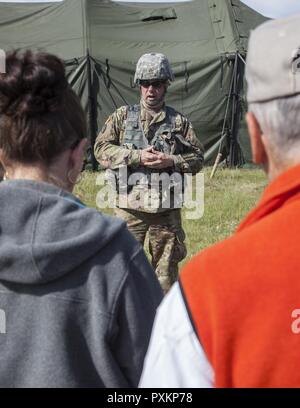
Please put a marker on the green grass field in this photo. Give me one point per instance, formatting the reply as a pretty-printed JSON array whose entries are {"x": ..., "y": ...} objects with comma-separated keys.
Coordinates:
[{"x": 227, "y": 199}]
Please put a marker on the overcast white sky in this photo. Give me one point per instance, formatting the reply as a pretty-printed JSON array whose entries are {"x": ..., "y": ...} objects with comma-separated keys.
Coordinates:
[
  {"x": 270, "y": 8},
  {"x": 275, "y": 8}
]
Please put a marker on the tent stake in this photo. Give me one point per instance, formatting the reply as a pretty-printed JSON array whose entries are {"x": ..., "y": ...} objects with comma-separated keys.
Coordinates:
[{"x": 217, "y": 162}]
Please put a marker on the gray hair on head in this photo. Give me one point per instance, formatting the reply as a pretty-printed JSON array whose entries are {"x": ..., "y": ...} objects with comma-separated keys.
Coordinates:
[{"x": 279, "y": 120}]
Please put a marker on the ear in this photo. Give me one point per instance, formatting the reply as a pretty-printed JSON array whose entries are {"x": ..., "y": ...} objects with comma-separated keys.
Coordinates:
[
  {"x": 77, "y": 155},
  {"x": 259, "y": 155}
]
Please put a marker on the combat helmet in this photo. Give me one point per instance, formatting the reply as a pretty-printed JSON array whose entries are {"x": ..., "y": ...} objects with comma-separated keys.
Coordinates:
[{"x": 153, "y": 66}]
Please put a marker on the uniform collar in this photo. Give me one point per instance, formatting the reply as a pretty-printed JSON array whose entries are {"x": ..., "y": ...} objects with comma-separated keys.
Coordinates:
[
  {"x": 283, "y": 189},
  {"x": 157, "y": 117}
]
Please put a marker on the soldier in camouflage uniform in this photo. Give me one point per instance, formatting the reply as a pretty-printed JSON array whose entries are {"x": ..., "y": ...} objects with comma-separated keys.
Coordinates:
[{"x": 152, "y": 138}]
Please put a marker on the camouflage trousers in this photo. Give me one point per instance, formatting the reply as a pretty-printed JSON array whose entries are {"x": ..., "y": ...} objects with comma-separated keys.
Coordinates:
[{"x": 166, "y": 240}]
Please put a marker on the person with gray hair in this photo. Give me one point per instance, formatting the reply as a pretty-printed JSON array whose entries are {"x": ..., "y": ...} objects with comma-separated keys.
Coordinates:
[{"x": 233, "y": 318}]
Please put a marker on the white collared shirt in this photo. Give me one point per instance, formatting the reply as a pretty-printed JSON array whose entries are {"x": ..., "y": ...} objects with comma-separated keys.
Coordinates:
[{"x": 175, "y": 358}]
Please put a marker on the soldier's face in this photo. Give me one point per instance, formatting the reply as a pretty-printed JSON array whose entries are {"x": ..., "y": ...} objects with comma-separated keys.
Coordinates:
[{"x": 153, "y": 92}]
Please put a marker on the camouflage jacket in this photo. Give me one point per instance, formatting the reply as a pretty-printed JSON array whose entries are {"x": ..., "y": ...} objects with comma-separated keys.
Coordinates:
[{"x": 111, "y": 154}]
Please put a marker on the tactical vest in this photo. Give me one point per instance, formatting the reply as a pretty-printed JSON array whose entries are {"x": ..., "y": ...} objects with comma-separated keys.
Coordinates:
[
  {"x": 135, "y": 138},
  {"x": 165, "y": 137}
]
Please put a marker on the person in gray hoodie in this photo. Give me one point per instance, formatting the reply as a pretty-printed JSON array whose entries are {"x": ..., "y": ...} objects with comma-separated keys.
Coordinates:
[{"x": 77, "y": 294}]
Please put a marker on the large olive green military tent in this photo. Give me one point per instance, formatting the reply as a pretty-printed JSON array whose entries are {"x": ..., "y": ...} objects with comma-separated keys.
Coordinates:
[{"x": 101, "y": 41}]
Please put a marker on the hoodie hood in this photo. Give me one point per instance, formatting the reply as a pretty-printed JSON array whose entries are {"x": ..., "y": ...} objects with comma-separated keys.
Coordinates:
[{"x": 46, "y": 233}]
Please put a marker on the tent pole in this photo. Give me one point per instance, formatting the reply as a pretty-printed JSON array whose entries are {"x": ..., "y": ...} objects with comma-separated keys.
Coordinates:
[
  {"x": 233, "y": 109},
  {"x": 234, "y": 150},
  {"x": 92, "y": 111},
  {"x": 240, "y": 83}
]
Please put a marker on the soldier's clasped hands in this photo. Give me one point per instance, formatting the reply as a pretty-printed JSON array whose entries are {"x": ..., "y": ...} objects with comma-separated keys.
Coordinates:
[{"x": 155, "y": 160}]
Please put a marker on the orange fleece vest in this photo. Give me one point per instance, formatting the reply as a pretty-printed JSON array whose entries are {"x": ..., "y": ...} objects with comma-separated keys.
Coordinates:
[{"x": 241, "y": 293}]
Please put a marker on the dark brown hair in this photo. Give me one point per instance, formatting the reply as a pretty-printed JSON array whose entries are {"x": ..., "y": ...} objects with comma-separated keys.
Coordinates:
[{"x": 40, "y": 115}]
